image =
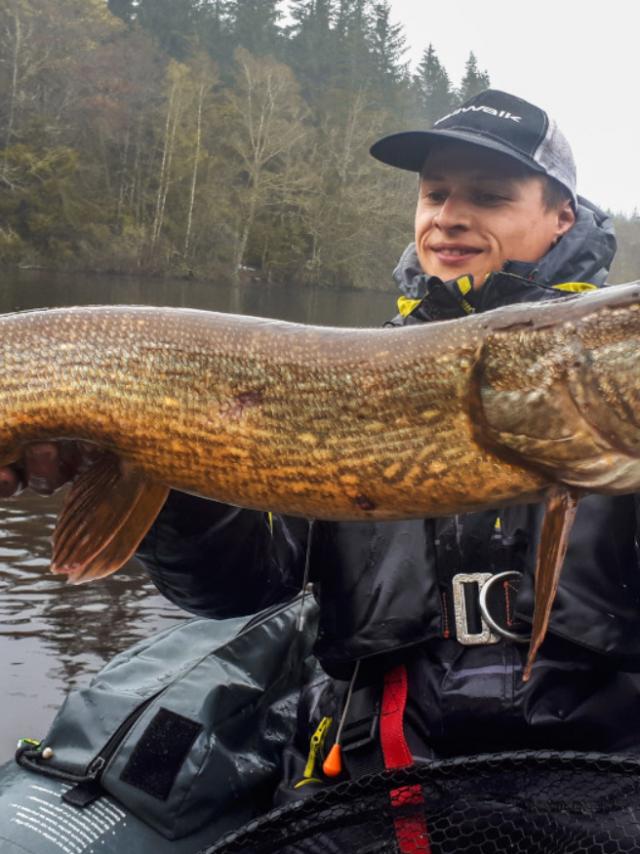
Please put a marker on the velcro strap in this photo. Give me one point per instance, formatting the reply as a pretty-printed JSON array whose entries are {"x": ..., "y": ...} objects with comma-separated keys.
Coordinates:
[{"x": 158, "y": 756}]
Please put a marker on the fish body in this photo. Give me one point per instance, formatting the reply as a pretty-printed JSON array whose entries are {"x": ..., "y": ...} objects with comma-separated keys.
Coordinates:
[
  {"x": 523, "y": 403},
  {"x": 340, "y": 424}
]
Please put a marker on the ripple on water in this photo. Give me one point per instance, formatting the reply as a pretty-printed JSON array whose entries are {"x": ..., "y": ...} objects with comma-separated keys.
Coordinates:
[{"x": 53, "y": 637}]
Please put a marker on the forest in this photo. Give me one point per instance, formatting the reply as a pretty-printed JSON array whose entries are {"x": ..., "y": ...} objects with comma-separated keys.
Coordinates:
[{"x": 216, "y": 138}]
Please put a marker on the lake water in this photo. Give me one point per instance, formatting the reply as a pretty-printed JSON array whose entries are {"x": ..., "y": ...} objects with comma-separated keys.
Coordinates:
[{"x": 53, "y": 637}]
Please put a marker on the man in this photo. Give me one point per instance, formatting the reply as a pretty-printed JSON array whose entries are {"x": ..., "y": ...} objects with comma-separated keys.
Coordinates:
[{"x": 497, "y": 222}]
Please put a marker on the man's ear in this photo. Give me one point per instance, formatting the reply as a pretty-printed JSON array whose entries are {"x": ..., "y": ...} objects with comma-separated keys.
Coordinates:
[{"x": 566, "y": 218}]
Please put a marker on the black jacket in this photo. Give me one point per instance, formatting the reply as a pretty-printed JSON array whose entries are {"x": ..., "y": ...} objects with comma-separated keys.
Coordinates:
[{"x": 385, "y": 589}]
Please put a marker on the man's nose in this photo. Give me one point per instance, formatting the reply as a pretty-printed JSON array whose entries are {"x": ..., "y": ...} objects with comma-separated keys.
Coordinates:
[{"x": 453, "y": 213}]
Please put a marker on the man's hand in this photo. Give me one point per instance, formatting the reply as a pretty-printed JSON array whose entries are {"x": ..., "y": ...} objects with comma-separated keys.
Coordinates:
[{"x": 45, "y": 467}]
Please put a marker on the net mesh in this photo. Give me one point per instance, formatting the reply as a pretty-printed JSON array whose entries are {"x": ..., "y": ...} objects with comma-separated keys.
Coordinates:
[{"x": 520, "y": 803}]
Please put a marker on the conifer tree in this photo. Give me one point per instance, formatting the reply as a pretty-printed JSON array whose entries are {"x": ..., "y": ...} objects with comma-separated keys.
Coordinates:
[
  {"x": 214, "y": 31},
  {"x": 353, "y": 29},
  {"x": 124, "y": 9},
  {"x": 388, "y": 45},
  {"x": 302, "y": 12},
  {"x": 172, "y": 23},
  {"x": 435, "y": 92},
  {"x": 474, "y": 80},
  {"x": 312, "y": 42},
  {"x": 254, "y": 25}
]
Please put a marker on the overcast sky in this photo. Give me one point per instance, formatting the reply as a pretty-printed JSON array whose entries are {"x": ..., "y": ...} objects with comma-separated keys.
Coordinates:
[{"x": 578, "y": 59}]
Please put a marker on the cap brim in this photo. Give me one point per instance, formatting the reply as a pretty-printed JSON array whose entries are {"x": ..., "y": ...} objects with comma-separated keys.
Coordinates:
[{"x": 409, "y": 150}]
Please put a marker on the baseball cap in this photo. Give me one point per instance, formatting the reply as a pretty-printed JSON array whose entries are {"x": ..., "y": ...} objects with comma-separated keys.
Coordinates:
[{"x": 495, "y": 120}]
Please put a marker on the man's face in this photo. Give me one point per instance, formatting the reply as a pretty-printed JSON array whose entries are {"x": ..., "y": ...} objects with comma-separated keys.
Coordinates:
[{"x": 478, "y": 209}]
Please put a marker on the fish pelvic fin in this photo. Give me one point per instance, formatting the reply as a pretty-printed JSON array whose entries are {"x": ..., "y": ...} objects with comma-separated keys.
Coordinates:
[
  {"x": 560, "y": 510},
  {"x": 107, "y": 512}
]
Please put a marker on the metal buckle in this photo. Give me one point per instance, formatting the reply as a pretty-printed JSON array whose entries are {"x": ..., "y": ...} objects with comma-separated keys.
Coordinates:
[
  {"x": 484, "y": 609},
  {"x": 463, "y": 635}
]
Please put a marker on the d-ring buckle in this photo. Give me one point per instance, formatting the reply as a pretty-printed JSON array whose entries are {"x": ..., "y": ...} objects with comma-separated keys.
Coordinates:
[{"x": 486, "y": 616}]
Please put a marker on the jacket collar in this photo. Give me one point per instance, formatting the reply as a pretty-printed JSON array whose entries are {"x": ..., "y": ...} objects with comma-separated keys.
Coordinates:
[{"x": 584, "y": 254}]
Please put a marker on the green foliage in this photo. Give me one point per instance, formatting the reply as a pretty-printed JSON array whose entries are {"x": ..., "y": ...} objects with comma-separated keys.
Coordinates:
[
  {"x": 124, "y": 9},
  {"x": 436, "y": 95},
  {"x": 44, "y": 210},
  {"x": 172, "y": 22},
  {"x": 12, "y": 248},
  {"x": 312, "y": 44},
  {"x": 474, "y": 80},
  {"x": 388, "y": 46},
  {"x": 254, "y": 25},
  {"x": 206, "y": 136},
  {"x": 214, "y": 31}
]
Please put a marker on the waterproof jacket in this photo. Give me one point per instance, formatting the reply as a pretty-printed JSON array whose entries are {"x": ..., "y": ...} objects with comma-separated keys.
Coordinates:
[{"x": 386, "y": 588}]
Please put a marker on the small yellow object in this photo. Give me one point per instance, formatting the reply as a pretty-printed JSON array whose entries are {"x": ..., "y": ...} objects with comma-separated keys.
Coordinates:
[
  {"x": 332, "y": 765},
  {"x": 406, "y": 305},
  {"x": 464, "y": 284},
  {"x": 47, "y": 753},
  {"x": 315, "y": 745},
  {"x": 575, "y": 287}
]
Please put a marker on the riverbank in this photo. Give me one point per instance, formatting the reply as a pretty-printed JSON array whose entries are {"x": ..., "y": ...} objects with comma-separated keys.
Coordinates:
[{"x": 245, "y": 276}]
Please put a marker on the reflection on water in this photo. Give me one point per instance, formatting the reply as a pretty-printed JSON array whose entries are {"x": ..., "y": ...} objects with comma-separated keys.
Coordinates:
[
  {"x": 52, "y": 637},
  {"x": 303, "y": 304}
]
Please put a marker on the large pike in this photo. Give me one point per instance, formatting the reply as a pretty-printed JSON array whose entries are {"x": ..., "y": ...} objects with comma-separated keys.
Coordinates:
[{"x": 524, "y": 403}]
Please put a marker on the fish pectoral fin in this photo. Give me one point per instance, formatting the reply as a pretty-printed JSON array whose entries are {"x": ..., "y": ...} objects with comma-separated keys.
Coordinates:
[
  {"x": 106, "y": 514},
  {"x": 559, "y": 513}
]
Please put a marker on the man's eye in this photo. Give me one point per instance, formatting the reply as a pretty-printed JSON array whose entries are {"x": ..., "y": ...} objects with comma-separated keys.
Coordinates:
[
  {"x": 489, "y": 198},
  {"x": 435, "y": 197}
]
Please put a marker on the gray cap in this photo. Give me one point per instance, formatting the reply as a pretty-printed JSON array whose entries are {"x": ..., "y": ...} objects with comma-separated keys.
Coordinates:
[{"x": 494, "y": 120}]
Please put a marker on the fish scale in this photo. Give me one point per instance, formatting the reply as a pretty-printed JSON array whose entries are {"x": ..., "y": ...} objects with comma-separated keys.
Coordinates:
[
  {"x": 261, "y": 405},
  {"x": 512, "y": 405}
]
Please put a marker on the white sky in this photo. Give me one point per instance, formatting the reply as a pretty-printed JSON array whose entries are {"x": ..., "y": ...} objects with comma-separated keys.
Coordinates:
[{"x": 577, "y": 59}]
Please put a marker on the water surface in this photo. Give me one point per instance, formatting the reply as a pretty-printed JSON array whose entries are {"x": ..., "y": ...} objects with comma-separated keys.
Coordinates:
[{"x": 53, "y": 637}]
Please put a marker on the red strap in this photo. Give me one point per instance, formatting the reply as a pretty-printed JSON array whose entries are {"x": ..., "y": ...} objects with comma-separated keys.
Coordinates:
[
  {"x": 395, "y": 749},
  {"x": 411, "y": 831}
]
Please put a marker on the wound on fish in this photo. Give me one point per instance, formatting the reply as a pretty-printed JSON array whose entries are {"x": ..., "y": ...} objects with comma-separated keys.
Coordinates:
[
  {"x": 250, "y": 398},
  {"x": 364, "y": 502},
  {"x": 235, "y": 408}
]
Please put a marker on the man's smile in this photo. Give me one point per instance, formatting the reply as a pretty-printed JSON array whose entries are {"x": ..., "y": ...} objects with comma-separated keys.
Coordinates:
[{"x": 454, "y": 254}]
